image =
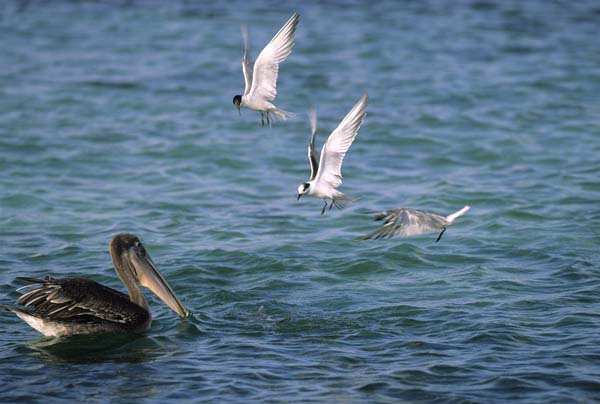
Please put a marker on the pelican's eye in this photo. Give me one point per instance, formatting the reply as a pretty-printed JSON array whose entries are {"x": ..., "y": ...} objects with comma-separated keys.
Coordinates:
[{"x": 139, "y": 248}]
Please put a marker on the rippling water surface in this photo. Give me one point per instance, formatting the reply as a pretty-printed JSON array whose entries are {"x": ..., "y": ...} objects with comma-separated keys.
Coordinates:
[{"x": 117, "y": 116}]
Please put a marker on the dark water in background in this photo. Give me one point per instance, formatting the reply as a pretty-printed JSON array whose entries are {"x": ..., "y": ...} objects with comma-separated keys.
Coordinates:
[{"x": 118, "y": 117}]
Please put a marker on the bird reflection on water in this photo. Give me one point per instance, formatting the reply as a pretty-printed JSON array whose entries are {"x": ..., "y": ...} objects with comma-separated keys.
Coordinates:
[
  {"x": 99, "y": 348},
  {"x": 95, "y": 349}
]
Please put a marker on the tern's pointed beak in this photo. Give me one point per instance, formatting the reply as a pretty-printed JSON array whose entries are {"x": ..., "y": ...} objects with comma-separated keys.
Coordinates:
[
  {"x": 149, "y": 277},
  {"x": 299, "y": 195},
  {"x": 239, "y": 109}
]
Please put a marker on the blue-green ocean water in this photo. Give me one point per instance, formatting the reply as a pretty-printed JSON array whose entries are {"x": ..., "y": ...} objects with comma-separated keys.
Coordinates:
[{"x": 118, "y": 116}]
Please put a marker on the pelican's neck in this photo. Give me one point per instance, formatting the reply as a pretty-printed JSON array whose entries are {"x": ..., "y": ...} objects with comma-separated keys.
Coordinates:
[
  {"x": 135, "y": 292},
  {"x": 136, "y": 296}
]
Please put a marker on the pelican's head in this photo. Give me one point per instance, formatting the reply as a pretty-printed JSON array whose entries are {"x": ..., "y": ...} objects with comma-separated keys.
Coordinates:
[
  {"x": 302, "y": 189},
  {"x": 133, "y": 264},
  {"x": 237, "y": 101}
]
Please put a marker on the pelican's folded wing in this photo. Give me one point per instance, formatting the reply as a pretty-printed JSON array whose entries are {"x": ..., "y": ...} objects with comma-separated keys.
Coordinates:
[{"x": 75, "y": 299}]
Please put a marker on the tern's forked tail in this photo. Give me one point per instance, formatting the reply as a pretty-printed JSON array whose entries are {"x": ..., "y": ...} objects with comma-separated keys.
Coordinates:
[
  {"x": 280, "y": 114},
  {"x": 452, "y": 217},
  {"x": 342, "y": 200}
]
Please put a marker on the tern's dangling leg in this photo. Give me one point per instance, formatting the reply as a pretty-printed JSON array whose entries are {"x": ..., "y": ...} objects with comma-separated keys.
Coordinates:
[
  {"x": 268, "y": 119},
  {"x": 324, "y": 206},
  {"x": 440, "y": 236},
  {"x": 332, "y": 202},
  {"x": 262, "y": 119}
]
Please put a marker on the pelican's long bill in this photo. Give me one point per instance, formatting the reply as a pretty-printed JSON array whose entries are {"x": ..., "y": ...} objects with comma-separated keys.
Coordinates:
[{"x": 149, "y": 276}]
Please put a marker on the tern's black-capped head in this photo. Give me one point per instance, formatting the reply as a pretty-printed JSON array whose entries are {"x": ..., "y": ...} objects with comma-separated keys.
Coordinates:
[
  {"x": 302, "y": 189},
  {"x": 237, "y": 101}
]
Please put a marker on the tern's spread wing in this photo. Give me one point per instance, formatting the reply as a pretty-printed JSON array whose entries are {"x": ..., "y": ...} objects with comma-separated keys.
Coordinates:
[
  {"x": 312, "y": 154},
  {"x": 338, "y": 143},
  {"x": 407, "y": 222},
  {"x": 247, "y": 65},
  {"x": 266, "y": 67}
]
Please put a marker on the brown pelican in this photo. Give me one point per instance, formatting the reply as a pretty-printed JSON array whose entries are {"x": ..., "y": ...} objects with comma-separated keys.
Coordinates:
[{"x": 69, "y": 306}]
